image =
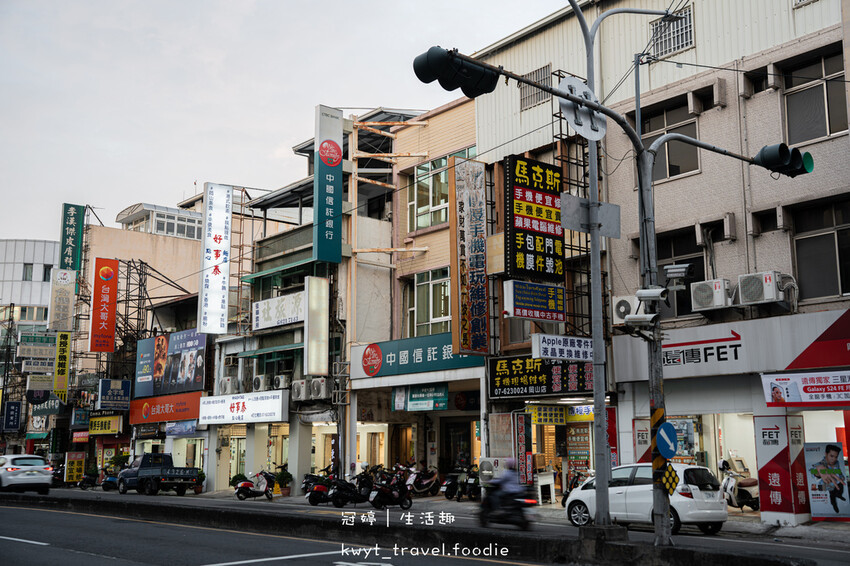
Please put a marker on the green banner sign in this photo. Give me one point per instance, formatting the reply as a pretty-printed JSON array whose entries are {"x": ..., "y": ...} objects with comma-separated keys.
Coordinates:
[{"x": 71, "y": 236}]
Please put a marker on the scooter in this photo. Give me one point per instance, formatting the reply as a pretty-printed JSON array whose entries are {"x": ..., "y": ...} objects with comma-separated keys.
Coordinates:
[
  {"x": 425, "y": 481},
  {"x": 344, "y": 492},
  {"x": 318, "y": 486},
  {"x": 392, "y": 491},
  {"x": 576, "y": 480},
  {"x": 511, "y": 511},
  {"x": 108, "y": 483},
  {"x": 58, "y": 479},
  {"x": 453, "y": 480},
  {"x": 263, "y": 486},
  {"x": 739, "y": 491},
  {"x": 471, "y": 488}
]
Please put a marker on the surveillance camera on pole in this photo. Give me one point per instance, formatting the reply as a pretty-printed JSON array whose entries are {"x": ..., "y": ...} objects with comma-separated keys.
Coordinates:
[
  {"x": 646, "y": 320},
  {"x": 655, "y": 294}
]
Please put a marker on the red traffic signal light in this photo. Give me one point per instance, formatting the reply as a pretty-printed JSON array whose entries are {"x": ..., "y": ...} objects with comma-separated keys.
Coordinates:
[
  {"x": 781, "y": 159},
  {"x": 452, "y": 72}
]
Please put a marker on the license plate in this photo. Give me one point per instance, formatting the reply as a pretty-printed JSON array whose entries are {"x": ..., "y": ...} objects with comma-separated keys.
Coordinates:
[
  {"x": 470, "y": 481},
  {"x": 443, "y": 488},
  {"x": 372, "y": 495}
]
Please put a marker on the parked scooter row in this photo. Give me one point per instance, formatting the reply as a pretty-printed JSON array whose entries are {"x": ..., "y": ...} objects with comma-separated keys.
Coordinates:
[
  {"x": 357, "y": 491},
  {"x": 110, "y": 481},
  {"x": 462, "y": 482}
]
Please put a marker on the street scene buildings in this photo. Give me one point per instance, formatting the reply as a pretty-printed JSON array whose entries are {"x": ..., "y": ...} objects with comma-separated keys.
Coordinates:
[{"x": 417, "y": 295}]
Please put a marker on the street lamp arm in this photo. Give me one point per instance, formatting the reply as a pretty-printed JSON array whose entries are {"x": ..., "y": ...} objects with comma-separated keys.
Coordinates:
[
  {"x": 603, "y": 15},
  {"x": 695, "y": 142}
]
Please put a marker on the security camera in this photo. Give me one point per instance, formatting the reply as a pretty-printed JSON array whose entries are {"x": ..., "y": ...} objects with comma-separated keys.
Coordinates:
[
  {"x": 679, "y": 271},
  {"x": 641, "y": 320},
  {"x": 654, "y": 294}
]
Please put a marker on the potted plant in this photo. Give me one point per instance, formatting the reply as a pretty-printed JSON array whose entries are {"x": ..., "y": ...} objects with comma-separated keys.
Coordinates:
[
  {"x": 283, "y": 479},
  {"x": 237, "y": 478},
  {"x": 202, "y": 477}
]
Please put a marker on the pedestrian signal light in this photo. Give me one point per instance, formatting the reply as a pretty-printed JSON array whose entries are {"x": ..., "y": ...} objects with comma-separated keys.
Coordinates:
[
  {"x": 781, "y": 159},
  {"x": 444, "y": 66}
]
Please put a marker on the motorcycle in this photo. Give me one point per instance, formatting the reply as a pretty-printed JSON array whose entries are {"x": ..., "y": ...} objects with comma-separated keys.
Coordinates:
[
  {"x": 739, "y": 491},
  {"x": 423, "y": 482},
  {"x": 393, "y": 490},
  {"x": 264, "y": 486},
  {"x": 576, "y": 480},
  {"x": 318, "y": 486},
  {"x": 472, "y": 486},
  {"x": 344, "y": 492},
  {"x": 453, "y": 480},
  {"x": 109, "y": 482},
  {"x": 495, "y": 508},
  {"x": 58, "y": 479}
]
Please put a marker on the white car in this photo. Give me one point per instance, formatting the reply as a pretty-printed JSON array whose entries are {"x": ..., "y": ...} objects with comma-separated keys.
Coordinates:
[
  {"x": 696, "y": 501},
  {"x": 22, "y": 472}
]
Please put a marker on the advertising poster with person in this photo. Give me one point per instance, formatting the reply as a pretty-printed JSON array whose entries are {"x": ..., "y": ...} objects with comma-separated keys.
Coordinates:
[
  {"x": 827, "y": 477},
  {"x": 185, "y": 366}
]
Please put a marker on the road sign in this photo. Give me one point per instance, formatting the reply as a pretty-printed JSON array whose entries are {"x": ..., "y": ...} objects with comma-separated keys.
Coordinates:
[
  {"x": 666, "y": 440},
  {"x": 575, "y": 215},
  {"x": 670, "y": 479},
  {"x": 587, "y": 123}
]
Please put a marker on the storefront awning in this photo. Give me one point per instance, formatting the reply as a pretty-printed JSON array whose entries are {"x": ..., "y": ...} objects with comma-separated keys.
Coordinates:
[
  {"x": 36, "y": 435},
  {"x": 273, "y": 270},
  {"x": 261, "y": 351}
]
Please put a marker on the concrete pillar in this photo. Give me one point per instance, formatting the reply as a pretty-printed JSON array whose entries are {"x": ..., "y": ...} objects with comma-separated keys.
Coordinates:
[
  {"x": 350, "y": 464},
  {"x": 256, "y": 448},
  {"x": 300, "y": 445}
]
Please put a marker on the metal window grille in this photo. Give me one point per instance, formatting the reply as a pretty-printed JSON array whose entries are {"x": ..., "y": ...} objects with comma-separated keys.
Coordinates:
[
  {"x": 530, "y": 96},
  {"x": 673, "y": 36}
]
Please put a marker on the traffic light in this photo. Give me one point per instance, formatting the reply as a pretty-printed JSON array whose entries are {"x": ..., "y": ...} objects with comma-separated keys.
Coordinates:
[
  {"x": 781, "y": 159},
  {"x": 438, "y": 64}
]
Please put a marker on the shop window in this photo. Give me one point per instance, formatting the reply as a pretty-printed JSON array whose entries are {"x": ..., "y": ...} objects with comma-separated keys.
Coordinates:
[
  {"x": 673, "y": 158},
  {"x": 679, "y": 248},
  {"x": 531, "y": 96},
  {"x": 426, "y": 304},
  {"x": 815, "y": 99},
  {"x": 822, "y": 249},
  {"x": 673, "y": 35},
  {"x": 428, "y": 192},
  {"x": 27, "y": 272},
  {"x": 45, "y": 274}
]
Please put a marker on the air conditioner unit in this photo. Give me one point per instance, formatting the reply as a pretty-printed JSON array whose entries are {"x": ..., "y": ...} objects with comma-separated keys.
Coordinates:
[
  {"x": 754, "y": 288},
  {"x": 300, "y": 390},
  {"x": 261, "y": 383},
  {"x": 711, "y": 294},
  {"x": 225, "y": 386},
  {"x": 282, "y": 381},
  {"x": 623, "y": 306},
  {"x": 231, "y": 361},
  {"x": 320, "y": 388}
]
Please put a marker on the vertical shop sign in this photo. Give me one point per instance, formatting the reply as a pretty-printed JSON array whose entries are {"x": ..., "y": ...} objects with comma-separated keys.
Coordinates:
[
  {"x": 524, "y": 456},
  {"x": 613, "y": 440},
  {"x": 61, "y": 311},
  {"x": 643, "y": 441},
  {"x": 534, "y": 237},
  {"x": 104, "y": 299},
  {"x": 798, "y": 464},
  {"x": 75, "y": 463},
  {"x": 316, "y": 326},
  {"x": 468, "y": 223},
  {"x": 71, "y": 236},
  {"x": 144, "y": 367},
  {"x": 12, "y": 416},
  {"x": 327, "y": 186},
  {"x": 215, "y": 259},
  {"x": 774, "y": 464},
  {"x": 63, "y": 362},
  {"x": 827, "y": 479}
]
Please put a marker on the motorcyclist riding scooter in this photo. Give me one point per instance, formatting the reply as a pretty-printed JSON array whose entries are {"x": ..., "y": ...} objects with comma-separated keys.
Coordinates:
[{"x": 506, "y": 500}]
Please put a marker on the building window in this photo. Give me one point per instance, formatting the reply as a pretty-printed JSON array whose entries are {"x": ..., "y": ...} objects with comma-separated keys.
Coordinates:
[
  {"x": 530, "y": 96},
  {"x": 428, "y": 196},
  {"x": 679, "y": 248},
  {"x": 45, "y": 275},
  {"x": 426, "y": 304},
  {"x": 673, "y": 158},
  {"x": 815, "y": 101},
  {"x": 27, "y": 272},
  {"x": 672, "y": 36},
  {"x": 822, "y": 247}
]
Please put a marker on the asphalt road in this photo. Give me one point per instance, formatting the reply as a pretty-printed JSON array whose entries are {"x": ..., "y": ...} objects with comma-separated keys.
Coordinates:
[{"x": 40, "y": 536}]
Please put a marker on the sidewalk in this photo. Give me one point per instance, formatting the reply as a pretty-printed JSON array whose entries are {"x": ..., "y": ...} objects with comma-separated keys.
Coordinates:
[{"x": 744, "y": 523}]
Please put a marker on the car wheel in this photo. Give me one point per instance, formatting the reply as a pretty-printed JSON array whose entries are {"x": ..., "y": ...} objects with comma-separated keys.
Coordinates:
[
  {"x": 181, "y": 490},
  {"x": 579, "y": 514},
  {"x": 710, "y": 528},
  {"x": 122, "y": 487},
  {"x": 150, "y": 488},
  {"x": 675, "y": 523}
]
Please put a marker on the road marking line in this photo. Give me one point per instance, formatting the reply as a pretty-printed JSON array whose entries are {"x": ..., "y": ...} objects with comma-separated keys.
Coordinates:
[
  {"x": 26, "y": 541},
  {"x": 788, "y": 542},
  {"x": 337, "y": 552}
]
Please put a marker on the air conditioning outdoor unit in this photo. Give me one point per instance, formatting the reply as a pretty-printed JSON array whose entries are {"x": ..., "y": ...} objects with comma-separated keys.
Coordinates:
[
  {"x": 225, "y": 386},
  {"x": 300, "y": 390},
  {"x": 711, "y": 294},
  {"x": 282, "y": 381},
  {"x": 320, "y": 388},
  {"x": 755, "y": 288},
  {"x": 261, "y": 383},
  {"x": 231, "y": 361},
  {"x": 623, "y": 306}
]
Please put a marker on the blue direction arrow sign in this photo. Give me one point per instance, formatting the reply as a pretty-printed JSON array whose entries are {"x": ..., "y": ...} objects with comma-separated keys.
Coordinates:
[{"x": 666, "y": 440}]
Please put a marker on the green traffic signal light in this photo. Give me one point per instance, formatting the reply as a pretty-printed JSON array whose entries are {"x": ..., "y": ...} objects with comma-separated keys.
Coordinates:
[
  {"x": 453, "y": 72},
  {"x": 781, "y": 159}
]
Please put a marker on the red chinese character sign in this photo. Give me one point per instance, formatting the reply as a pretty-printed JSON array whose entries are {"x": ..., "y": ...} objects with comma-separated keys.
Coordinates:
[
  {"x": 103, "y": 302},
  {"x": 468, "y": 223},
  {"x": 774, "y": 465},
  {"x": 534, "y": 237},
  {"x": 215, "y": 259}
]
